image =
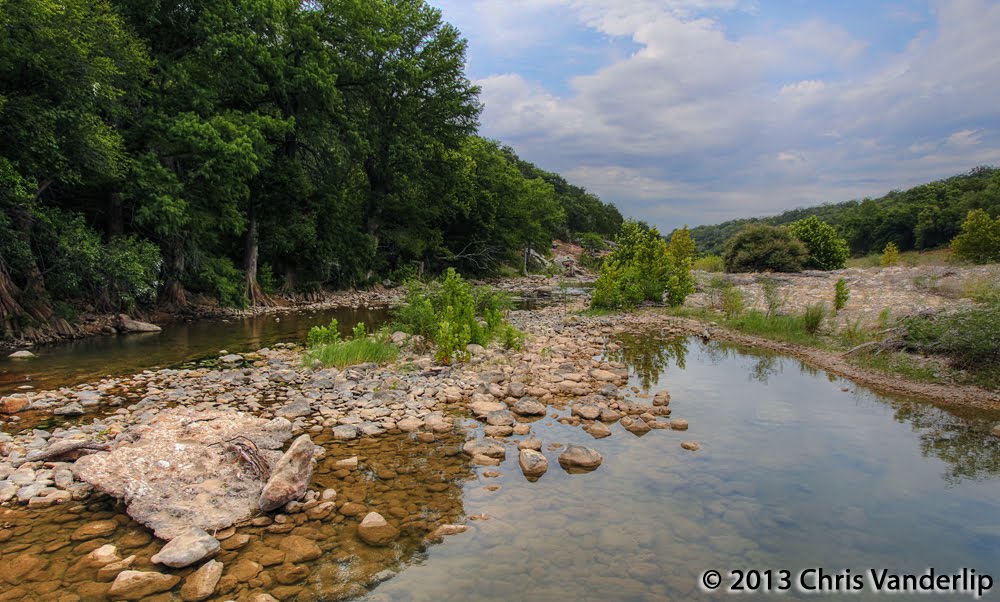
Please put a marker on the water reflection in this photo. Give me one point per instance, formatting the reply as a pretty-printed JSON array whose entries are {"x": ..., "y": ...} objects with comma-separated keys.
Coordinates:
[{"x": 649, "y": 356}]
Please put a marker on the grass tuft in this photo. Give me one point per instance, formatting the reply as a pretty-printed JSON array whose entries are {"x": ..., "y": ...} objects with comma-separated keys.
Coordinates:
[{"x": 352, "y": 352}]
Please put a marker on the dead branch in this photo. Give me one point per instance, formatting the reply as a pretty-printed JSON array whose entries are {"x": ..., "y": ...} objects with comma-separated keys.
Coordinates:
[{"x": 247, "y": 451}]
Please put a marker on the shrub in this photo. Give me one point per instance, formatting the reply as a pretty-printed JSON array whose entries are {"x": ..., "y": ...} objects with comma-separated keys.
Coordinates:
[
  {"x": 769, "y": 286},
  {"x": 890, "y": 255},
  {"x": 709, "y": 263},
  {"x": 732, "y": 302},
  {"x": 323, "y": 335},
  {"x": 812, "y": 319},
  {"x": 979, "y": 241},
  {"x": 641, "y": 268},
  {"x": 681, "y": 244},
  {"x": 452, "y": 313},
  {"x": 220, "y": 277},
  {"x": 969, "y": 337},
  {"x": 760, "y": 248},
  {"x": 840, "y": 295},
  {"x": 827, "y": 249},
  {"x": 593, "y": 245}
]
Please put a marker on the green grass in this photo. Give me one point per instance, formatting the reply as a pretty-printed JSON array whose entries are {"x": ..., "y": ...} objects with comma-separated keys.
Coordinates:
[
  {"x": 982, "y": 290},
  {"x": 897, "y": 363},
  {"x": 788, "y": 328},
  {"x": 350, "y": 353},
  {"x": 906, "y": 259}
]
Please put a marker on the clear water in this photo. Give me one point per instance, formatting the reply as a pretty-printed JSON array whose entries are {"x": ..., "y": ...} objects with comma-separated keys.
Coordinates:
[
  {"x": 793, "y": 473},
  {"x": 92, "y": 358}
]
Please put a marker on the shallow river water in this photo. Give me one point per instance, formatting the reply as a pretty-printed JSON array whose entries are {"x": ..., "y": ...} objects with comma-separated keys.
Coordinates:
[{"x": 796, "y": 470}]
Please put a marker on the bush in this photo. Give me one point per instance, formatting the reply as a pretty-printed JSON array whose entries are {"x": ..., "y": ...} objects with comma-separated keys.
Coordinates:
[
  {"x": 760, "y": 248},
  {"x": 969, "y": 338},
  {"x": 890, "y": 255},
  {"x": 827, "y": 249},
  {"x": 326, "y": 347},
  {"x": 220, "y": 277},
  {"x": 451, "y": 313},
  {"x": 323, "y": 335},
  {"x": 709, "y": 263},
  {"x": 593, "y": 245},
  {"x": 681, "y": 244},
  {"x": 979, "y": 241},
  {"x": 840, "y": 295},
  {"x": 812, "y": 319},
  {"x": 732, "y": 302},
  {"x": 769, "y": 286},
  {"x": 641, "y": 268}
]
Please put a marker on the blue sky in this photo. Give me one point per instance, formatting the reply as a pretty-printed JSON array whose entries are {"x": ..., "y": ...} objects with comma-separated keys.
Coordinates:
[{"x": 698, "y": 111}]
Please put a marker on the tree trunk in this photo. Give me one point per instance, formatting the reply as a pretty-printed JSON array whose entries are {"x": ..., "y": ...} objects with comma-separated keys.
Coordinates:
[
  {"x": 379, "y": 190},
  {"x": 116, "y": 221},
  {"x": 10, "y": 309},
  {"x": 174, "y": 296},
  {"x": 257, "y": 297}
]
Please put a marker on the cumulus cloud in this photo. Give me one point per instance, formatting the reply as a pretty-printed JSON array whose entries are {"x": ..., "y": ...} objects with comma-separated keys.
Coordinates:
[{"x": 699, "y": 123}]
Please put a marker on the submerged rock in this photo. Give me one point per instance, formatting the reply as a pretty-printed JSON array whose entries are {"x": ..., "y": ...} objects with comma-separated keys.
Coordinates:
[
  {"x": 490, "y": 449},
  {"x": 578, "y": 458},
  {"x": 529, "y": 406},
  {"x": 201, "y": 584},
  {"x": 22, "y": 354},
  {"x": 443, "y": 531},
  {"x": 690, "y": 445},
  {"x": 136, "y": 585},
  {"x": 178, "y": 471},
  {"x": 376, "y": 531},
  {"x": 635, "y": 425},
  {"x": 290, "y": 476},
  {"x": 127, "y": 324},
  {"x": 187, "y": 548}
]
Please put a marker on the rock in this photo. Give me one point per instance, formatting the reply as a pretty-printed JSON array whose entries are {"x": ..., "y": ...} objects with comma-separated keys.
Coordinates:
[
  {"x": 136, "y": 585},
  {"x": 443, "y": 531},
  {"x": 200, "y": 584},
  {"x": 127, "y": 324},
  {"x": 529, "y": 406},
  {"x": 516, "y": 389},
  {"x": 7, "y": 491},
  {"x": 533, "y": 463},
  {"x": 93, "y": 530},
  {"x": 299, "y": 549},
  {"x": 481, "y": 409},
  {"x": 481, "y": 460},
  {"x": 295, "y": 409},
  {"x": 690, "y": 445},
  {"x": 586, "y": 411},
  {"x": 262, "y": 597},
  {"x": 70, "y": 409},
  {"x": 475, "y": 349},
  {"x": 996, "y": 430},
  {"x": 376, "y": 531},
  {"x": 187, "y": 548},
  {"x": 345, "y": 432},
  {"x": 290, "y": 475},
  {"x": 352, "y": 509},
  {"x": 13, "y": 404},
  {"x": 172, "y": 473},
  {"x": 598, "y": 430},
  {"x": 111, "y": 570},
  {"x": 604, "y": 375},
  {"x": 578, "y": 458},
  {"x": 679, "y": 424},
  {"x": 408, "y": 425},
  {"x": 490, "y": 449},
  {"x": 501, "y": 418},
  {"x": 530, "y": 443},
  {"x": 231, "y": 358},
  {"x": 348, "y": 463},
  {"x": 635, "y": 425},
  {"x": 22, "y": 354},
  {"x": 399, "y": 337}
]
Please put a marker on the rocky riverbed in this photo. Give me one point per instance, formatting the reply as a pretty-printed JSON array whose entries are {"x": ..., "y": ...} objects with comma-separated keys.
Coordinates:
[{"x": 441, "y": 424}]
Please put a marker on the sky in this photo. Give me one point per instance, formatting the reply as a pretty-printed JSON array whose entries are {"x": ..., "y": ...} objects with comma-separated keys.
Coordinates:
[{"x": 698, "y": 111}]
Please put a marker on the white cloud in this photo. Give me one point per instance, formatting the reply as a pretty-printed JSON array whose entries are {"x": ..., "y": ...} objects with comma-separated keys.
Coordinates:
[{"x": 702, "y": 121}]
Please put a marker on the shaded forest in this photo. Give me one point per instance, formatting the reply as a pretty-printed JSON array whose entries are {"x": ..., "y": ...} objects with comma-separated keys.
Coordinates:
[
  {"x": 923, "y": 217},
  {"x": 151, "y": 150}
]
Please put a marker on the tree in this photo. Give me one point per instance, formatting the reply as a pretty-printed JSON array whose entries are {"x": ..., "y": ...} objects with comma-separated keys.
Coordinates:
[
  {"x": 682, "y": 246},
  {"x": 761, "y": 248},
  {"x": 641, "y": 268},
  {"x": 827, "y": 250},
  {"x": 979, "y": 241}
]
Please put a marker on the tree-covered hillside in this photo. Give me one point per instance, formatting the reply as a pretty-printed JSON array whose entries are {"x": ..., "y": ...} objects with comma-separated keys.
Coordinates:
[
  {"x": 154, "y": 148},
  {"x": 923, "y": 217}
]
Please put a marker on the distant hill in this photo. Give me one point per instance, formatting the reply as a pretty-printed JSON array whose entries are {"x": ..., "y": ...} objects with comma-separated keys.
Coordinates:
[{"x": 922, "y": 217}]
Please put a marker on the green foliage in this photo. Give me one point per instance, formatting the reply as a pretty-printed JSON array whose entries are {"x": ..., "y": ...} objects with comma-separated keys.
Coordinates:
[
  {"x": 924, "y": 217},
  {"x": 827, "y": 249},
  {"x": 451, "y": 313},
  {"x": 709, "y": 263},
  {"x": 772, "y": 298},
  {"x": 681, "y": 245},
  {"x": 813, "y": 317},
  {"x": 982, "y": 290},
  {"x": 760, "y": 248},
  {"x": 968, "y": 337},
  {"x": 979, "y": 241},
  {"x": 222, "y": 279},
  {"x": 732, "y": 302},
  {"x": 353, "y": 352},
  {"x": 890, "y": 255},
  {"x": 790, "y": 328},
  {"x": 593, "y": 245},
  {"x": 841, "y": 293},
  {"x": 641, "y": 268},
  {"x": 323, "y": 335}
]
